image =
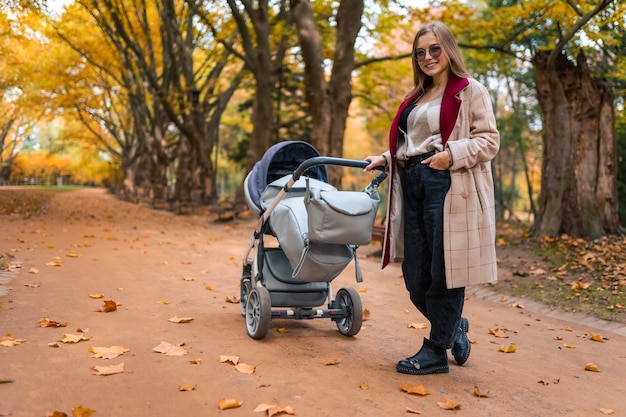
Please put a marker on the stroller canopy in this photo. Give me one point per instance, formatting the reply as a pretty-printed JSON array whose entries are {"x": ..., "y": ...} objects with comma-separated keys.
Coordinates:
[{"x": 279, "y": 160}]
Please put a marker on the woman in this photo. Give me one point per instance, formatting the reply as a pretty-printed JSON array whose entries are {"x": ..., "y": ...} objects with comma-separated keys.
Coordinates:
[{"x": 441, "y": 215}]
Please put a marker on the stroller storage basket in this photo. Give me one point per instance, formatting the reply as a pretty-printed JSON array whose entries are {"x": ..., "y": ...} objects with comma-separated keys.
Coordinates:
[{"x": 285, "y": 291}]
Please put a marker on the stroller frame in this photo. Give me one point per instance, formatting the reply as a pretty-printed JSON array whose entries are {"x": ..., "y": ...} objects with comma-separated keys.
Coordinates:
[{"x": 267, "y": 293}]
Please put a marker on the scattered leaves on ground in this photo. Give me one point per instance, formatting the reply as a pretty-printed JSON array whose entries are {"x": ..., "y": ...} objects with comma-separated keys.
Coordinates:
[
  {"x": 81, "y": 411},
  {"x": 448, "y": 404},
  {"x": 274, "y": 409},
  {"x": 108, "y": 306},
  {"x": 478, "y": 393},
  {"x": 46, "y": 322},
  {"x": 73, "y": 338},
  {"x": 108, "y": 352},
  {"x": 417, "y": 389},
  {"x": 508, "y": 349},
  {"x": 225, "y": 404},
  {"x": 176, "y": 319},
  {"x": 169, "y": 349},
  {"x": 229, "y": 358},
  {"x": 108, "y": 370}
]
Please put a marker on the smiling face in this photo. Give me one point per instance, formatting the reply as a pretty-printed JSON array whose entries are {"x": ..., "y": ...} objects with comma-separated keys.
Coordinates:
[{"x": 431, "y": 66}]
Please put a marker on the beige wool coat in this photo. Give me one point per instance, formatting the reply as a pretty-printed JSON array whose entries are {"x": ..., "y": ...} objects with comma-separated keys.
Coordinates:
[{"x": 468, "y": 129}]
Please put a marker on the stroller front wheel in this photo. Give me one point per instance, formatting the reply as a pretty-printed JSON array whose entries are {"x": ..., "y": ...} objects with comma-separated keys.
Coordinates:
[
  {"x": 349, "y": 301},
  {"x": 258, "y": 312}
]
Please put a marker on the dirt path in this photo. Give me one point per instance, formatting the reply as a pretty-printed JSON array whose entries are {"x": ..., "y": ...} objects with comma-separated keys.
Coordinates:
[{"x": 157, "y": 266}]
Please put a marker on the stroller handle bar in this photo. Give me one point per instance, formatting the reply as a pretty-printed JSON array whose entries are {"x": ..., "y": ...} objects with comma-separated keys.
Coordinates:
[
  {"x": 327, "y": 160},
  {"x": 310, "y": 163}
]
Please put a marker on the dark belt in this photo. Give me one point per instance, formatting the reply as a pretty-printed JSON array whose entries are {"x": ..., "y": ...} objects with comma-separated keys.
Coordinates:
[{"x": 417, "y": 159}]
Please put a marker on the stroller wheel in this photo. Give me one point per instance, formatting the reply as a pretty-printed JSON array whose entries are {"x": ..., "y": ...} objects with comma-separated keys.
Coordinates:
[
  {"x": 349, "y": 301},
  {"x": 244, "y": 291},
  {"x": 258, "y": 312}
]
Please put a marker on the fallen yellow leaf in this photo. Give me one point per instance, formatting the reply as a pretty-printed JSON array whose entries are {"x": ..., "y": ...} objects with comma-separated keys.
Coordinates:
[
  {"x": 225, "y": 404},
  {"x": 595, "y": 337},
  {"x": 364, "y": 386},
  {"x": 244, "y": 368},
  {"x": 449, "y": 405},
  {"x": 232, "y": 359},
  {"x": 282, "y": 330},
  {"x": 606, "y": 411},
  {"x": 329, "y": 362},
  {"x": 163, "y": 302},
  {"x": 96, "y": 296},
  {"x": 187, "y": 278},
  {"x": 413, "y": 411},
  {"x": 592, "y": 367},
  {"x": 108, "y": 306},
  {"x": 195, "y": 361},
  {"x": 186, "y": 387},
  {"x": 46, "y": 322},
  {"x": 508, "y": 349},
  {"x": 108, "y": 370},
  {"x": 81, "y": 411},
  {"x": 181, "y": 319},
  {"x": 418, "y": 389},
  {"x": 208, "y": 287},
  {"x": 417, "y": 326},
  {"x": 499, "y": 333},
  {"x": 273, "y": 409},
  {"x": 232, "y": 299},
  {"x": 569, "y": 346},
  {"x": 73, "y": 338},
  {"x": 33, "y": 271},
  {"x": 108, "y": 352},
  {"x": 366, "y": 314},
  {"x": 9, "y": 341},
  {"x": 479, "y": 394},
  {"x": 169, "y": 349}
]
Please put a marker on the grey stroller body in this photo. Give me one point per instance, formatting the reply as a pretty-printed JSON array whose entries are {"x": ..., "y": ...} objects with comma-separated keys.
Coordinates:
[{"x": 318, "y": 229}]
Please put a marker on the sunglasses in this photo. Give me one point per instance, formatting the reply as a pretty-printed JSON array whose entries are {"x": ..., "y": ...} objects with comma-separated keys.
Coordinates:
[{"x": 434, "y": 51}]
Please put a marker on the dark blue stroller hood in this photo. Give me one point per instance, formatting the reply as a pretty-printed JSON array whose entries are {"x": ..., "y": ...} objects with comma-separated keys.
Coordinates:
[{"x": 279, "y": 160}]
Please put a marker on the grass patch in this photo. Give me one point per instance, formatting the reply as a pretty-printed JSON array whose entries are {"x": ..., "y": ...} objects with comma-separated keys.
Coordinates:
[
  {"x": 573, "y": 275},
  {"x": 27, "y": 201}
]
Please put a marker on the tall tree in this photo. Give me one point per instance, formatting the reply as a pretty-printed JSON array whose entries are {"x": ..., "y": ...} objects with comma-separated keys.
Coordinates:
[{"x": 578, "y": 190}]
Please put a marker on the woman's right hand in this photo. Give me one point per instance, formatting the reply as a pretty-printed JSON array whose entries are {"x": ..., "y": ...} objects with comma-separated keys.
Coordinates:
[{"x": 375, "y": 161}]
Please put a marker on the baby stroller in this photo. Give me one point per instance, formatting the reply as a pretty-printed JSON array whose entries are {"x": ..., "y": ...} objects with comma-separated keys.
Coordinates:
[{"x": 318, "y": 229}]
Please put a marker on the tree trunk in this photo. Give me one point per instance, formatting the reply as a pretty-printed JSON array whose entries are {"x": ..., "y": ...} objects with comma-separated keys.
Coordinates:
[
  {"x": 579, "y": 177},
  {"x": 329, "y": 102}
]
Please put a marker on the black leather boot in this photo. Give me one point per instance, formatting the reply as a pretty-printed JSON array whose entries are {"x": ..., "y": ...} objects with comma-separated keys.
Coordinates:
[
  {"x": 431, "y": 359},
  {"x": 461, "y": 348}
]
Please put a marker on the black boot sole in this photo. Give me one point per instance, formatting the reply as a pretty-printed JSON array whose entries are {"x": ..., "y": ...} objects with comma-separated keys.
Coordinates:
[
  {"x": 458, "y": 356},
  {"x": 437, "y": 369}
]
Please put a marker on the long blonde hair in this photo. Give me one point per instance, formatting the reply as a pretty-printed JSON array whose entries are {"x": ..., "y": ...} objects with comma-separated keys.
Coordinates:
[{"x": 449, "y": 47}]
